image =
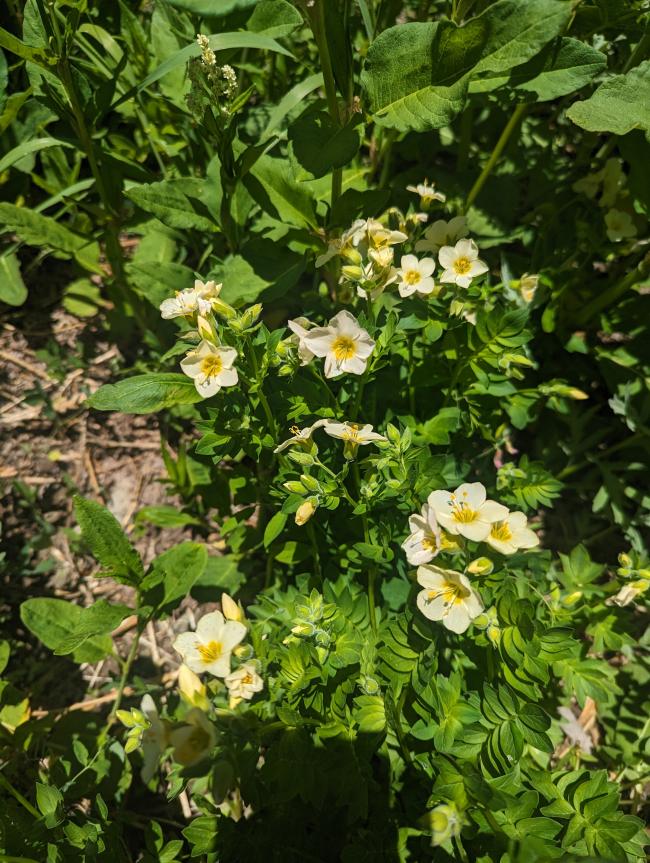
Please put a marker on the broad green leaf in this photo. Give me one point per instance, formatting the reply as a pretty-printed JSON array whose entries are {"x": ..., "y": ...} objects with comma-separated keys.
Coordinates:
[
  {"x": 38, "y": 230},
  {"x": 319, "y": 144},
  {"x": 50, "y": 804},
  {"x": 201, "y": 835},
  {"x": 274, "y": 528},
  {"x": 34, "y": 55},
  {"x": 273, "y": 186},
  {"x": 205, "y": 8},
  {"x": 221, "y": 573},
  {"x": 177, "y": 203},
  {"x": 98, "y": 619},
  {"x": 174, "y": 573},
  {"x": 274, "y": 18},
  {"x": 5, "y": 651},
  {"x": 165, "y": 516},
  {"x": 619, "y": 105},
  {"x": 157, "y": 280},
  {"x": 438, "y": 429},
  {"x": 561, "y": 68},
  {"x": 218, "y": 42},
  {"x": 416, "y": 75},
  {"x": 82, "y": 298},
  {"x": 28, "y": 147},
  {"x": 53, "y": 620},
  {"x": 261, "y": 268},
  {"x": 145, "y": 394},
  {"x": 289, "y": 101},
  {"x": 107, "y": 541},
  {"x": 12, "y": 288}
]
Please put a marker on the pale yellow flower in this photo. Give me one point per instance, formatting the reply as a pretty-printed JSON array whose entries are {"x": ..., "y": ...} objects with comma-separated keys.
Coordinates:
[
  {"x": 344, "y": 344},
  {"x": 244, "y": 682},
  {"x": 461, "y": 263},
  {"x": 194, "y": 740},
  {"x": 414, "y": 276},
  {"x": 447, "y": 597},
  {"x": 426, "y": 539},
  {"x": 466, "y": 511},
  {"x": 511, "y": 533},
  {"x": 209, "y": 648},
  {"x": 211, "y": 368}
]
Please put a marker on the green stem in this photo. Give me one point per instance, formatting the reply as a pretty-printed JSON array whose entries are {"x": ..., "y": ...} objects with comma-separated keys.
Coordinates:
[
  {"x": 126, "y": 670},
  {"x": 461, "y": 853},
  {"x": 19, "y": 797},
  {"x": 571, "y": 469},
  {"x": 399, "y": 731},
  {"x": 510, "y": 126},
  {"x": 317, "y": 19},
  {"x": 260, "y": 392},
  {"x": 609, "y": 296}
]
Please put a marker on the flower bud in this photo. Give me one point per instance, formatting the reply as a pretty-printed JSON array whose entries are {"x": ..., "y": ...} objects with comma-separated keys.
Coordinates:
[
  {"x": 191, "y": 688},
  {"x": 305, "y": 512},
  {"x": 571, "y": 599},
  {"x": 310, "y": 482},
  {"x": 481, "y": 566},
  {"x": 250, "y": 316},
  {"x": 304, "y": 459},
  {"x": 231, "y": 609},
  {"x": 294, "y": 487},
  {"x": 625, "y": 560},
  {"x": 226, "y": 311}
]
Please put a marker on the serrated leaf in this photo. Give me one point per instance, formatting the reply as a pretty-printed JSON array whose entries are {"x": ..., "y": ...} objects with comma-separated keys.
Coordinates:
[{"x": 107, "y": 541}]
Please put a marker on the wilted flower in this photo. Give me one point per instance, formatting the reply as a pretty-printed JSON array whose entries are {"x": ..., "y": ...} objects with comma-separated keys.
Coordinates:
[
  {"x": 209, "y": 648},
  {"x": 629, "y": 592},
  {"x": 466, "y": 510},
  {"x": 244, "y": 682},
  {"x": 194, "y": 740},
  {"x": 447, "y": 597},
  {"x": 461, "y": 263},
  {"x": 415, "y": 276},
  {"x": 511, "y": 533},
  {"x": 345, "y": 345},
  {"x": 210, "y": 367},
  {"x": 426, "y": 539},
  {"x": 442, "y": 233},
  {"x": 528, "y": 286}
]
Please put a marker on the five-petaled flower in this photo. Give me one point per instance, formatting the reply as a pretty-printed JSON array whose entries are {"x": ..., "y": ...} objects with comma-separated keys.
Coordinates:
[
  {"x": 428, "y": 194},
  {"x": 461, "y": 263},
  {"x": 345, "y": 345},
  {"x": 511, "y": 533},
  {"x": 415, "y": 276},
  {"x": 447, "y": 597},
  {"x": 209, "y": 648},
  {"x": 244, "y": 682},
  {"x": 426, "y": 539},
  {"x": 466, "y": 510},
  {"x": 193, "y": 301},
  {"x": 211, "y": 368}
]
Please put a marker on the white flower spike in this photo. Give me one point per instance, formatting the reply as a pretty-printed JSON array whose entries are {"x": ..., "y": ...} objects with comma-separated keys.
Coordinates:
[
  {"x": 466, "y": 510},
  {"x": 511, "y": 534},
  {"x": 442, "y": 233},
  {"x": 426, "y": 539},
  {"x": 211, "y": 368},
  {"x": 414, "y": 276},
  {"x": 209, "y": 648},
  {"x": 447, "y": 597},
  {"x": 461, "y": 263},
  {"x": 345, "y": 345}
]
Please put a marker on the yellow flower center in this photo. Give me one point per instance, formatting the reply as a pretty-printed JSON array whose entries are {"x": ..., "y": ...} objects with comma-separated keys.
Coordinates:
[
  {"x": 352, "y": 432},
  {"x": 452, "y": 593},
  {"x": 246, "y": 680},
  {"x": 501, "y": 531},
  {"x": 344, "y": 348},
  {"x": 210, "y": 652},
  {"x": 429, "y": 544},
  {"x": 211, "y": 365},
  {"x": 412, "y": 277},
  {"x": 462, "y": 266},
  {"x": 295, "y": 430},
  {"x": 463, "y": 514}
]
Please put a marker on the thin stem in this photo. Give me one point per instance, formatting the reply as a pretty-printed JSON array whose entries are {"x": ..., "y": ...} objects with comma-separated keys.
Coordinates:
[
  {"x": 19, "y": 797},
  {"x": 317, "y": 20},
  {"x": 608, "y": 297},
  {"x": 126, "y": 670},
  {"x": 260, "y": 392},
  {"x": 510, "y": 126},
  {"x": 461, "y": 853},
  {"x": 571, "y": 469}
]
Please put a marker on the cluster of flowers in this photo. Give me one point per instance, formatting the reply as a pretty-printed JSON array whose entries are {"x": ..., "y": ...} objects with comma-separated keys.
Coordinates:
[
  {"x": 211, "y": 84},
  {"x": 207, "y": 650},
  {"x": 445, "y": 521}
]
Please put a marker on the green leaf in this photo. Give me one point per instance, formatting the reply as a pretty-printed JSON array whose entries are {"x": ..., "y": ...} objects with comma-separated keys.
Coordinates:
[
  {"x": 289, "y": 101},
  {"x": 218, "y": 42},
  {"x": 273, "y": 186},
  {"x": 221, "y": 573},
  {"x": 416, "y": 75},
  {"x": 619, "y": 105},
  {"x": 588, "y": 678},
  {"x": 38, "y": 230},
  {"x": 4, "y": 80},
  {"x": 177, "y": 203},
  {"x": 157, "y": 280},
  {"x": 176, "y": 571},
  {"x": 12, "y": 288},
  {"x": 107, "y": 541},
  {"x": 561, "y": 68},
  {"x": 438, "y": 428},
  {"x": 50, "y": 803},
  {"x": 274, "y": 18},
  {"x": 262, "y": 269},
  {"x": 98, "y": 619},
  {"x": 20, "y": 49},
  {"x": 5, "y": 652},
  {"x": 28, "y": 147},
  {"x": 145, "y": 394},
  {"x": 201, "y": 834},
  {"x": 319, "y": 144},
  {"x": 370, "y": 714},
  {"x": 274, "y": 528},
  {"x": 165, "y": 516},
  {"x": 53, "y": 620}
]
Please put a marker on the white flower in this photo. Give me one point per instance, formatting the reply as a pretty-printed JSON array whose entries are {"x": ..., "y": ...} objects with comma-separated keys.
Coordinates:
[
  {"x": 211, "y": 368},
  {"x": 195, "y": 739},
  {"x": 299, "y": 328},
  {"x": 196, "y": 300},
  {"x": 371, "y": 233},
  {"x": 414, "y": 275},
  {"x": 155, "y": 738},
  {"x": 442, "y": 233},
  {"x": 629, "y": 592},
  {"x": 300, "y": 436},
  {"x": 352, "y": 433},
  {"x": 619, "y": 225},
  {"x": 244, "y": 682},
  {"x": 511, "y": 533},
  {"x": 209, "y": 648},
  {"x": 466, "y": 511},
  {"x": 345, "y": 345},
  {"x": 461, "y": 263},
  {"x": 426, "y": 539},
  {"x": 528, "y": 286},
  {"x": 427, "y": 193},
  {"x": 448, "y": 597}
]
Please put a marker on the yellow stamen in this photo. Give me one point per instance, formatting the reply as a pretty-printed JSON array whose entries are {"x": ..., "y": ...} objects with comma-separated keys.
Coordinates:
[
  {"x": 462, "y": 266},
  {"x": 210, "y": 652},
  {"x": 501, "y": 531},
  {"x": 246, "y": 680},
  {"x": 352, "y": 432},
  {"x": 463, "y": 514},
  {"x": 344, "y": 348},
  {"x": 429, "y": 544},
  {"x": 412, "y": 277},
  {"x": 294, "y": 430},
  {"x": 211, "y": 365}
]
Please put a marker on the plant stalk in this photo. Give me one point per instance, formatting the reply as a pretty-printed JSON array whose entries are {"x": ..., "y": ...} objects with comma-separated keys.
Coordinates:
[{"x": 509, "y": 128}]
